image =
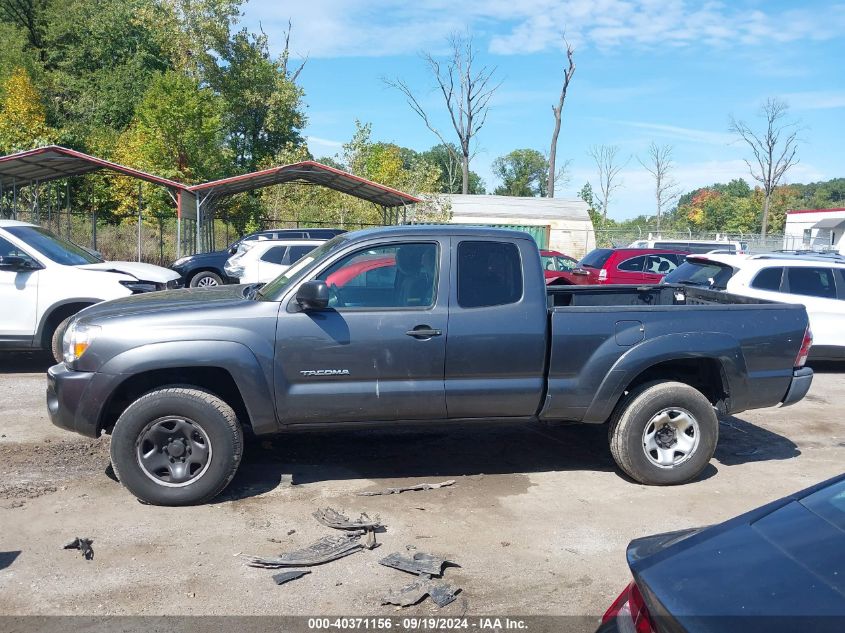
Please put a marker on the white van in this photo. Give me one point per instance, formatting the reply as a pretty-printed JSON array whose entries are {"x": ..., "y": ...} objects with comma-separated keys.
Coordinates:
[
  {"x": 732, "y": 247},
  {"x": 45, "y": 280},
  {"x": 260, "y": 261}
]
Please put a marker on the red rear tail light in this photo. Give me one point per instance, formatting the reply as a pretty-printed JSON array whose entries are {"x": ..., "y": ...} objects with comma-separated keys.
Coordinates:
[
  {"x": 630, "y": 612},
  {"x": 804, "y": 352},
  {"x": 603, "y": 274}
]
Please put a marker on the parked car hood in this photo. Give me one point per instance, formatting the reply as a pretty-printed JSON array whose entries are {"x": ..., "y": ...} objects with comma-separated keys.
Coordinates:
[
  {"x": 201, "y": 257},
  {"x": 168, "y": 301},
  {"x": 139, "y": 270}
]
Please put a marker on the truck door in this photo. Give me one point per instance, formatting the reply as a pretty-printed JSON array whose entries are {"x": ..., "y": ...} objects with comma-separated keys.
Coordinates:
[
  {"x": 19, "y": 298},
  {"x": 496, "y": 350},
  {"x": 378, "y": 353}
]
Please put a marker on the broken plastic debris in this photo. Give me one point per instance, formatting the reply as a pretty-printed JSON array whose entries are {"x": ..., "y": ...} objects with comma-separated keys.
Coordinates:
[
  {"x": 419, "y": 563},
  {"x": 83, "y": 545},
  {"x": 441, "y": 593},
  {"x": 326, "y": 549},
  {"x": 396, "y": 491},
  {"x": 286, "y": 576},
  {"x": 334, "y": 519}
]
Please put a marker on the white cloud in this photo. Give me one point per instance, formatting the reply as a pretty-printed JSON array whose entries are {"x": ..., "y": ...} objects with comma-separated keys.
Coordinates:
[
  {"x": 693, "y": 135},
  {"x": 320, "y": 147},
  {"x": 371, "y": 28},
  {"x": 815, "y": 99}
]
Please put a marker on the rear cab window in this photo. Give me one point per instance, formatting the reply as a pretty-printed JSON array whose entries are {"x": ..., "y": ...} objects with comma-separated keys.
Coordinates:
[{"x": 489, "y": 274}]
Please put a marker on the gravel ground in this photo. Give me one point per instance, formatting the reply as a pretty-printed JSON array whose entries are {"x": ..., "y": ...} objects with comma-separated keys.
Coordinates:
[{"x": 538, "y": 518}]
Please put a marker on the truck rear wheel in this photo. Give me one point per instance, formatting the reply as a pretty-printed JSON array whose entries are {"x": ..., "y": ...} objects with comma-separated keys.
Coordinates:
[
  {"x": 664, "y": 433},
  {"x": 176, "y": 446}
]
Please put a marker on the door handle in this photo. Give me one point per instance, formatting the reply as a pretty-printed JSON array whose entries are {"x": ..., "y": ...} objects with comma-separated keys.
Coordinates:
[{"x": 423, "y": 331}]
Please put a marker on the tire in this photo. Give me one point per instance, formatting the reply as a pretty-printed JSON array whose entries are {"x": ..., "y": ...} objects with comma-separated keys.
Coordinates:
[
  {"x": 145, "y": 451},
  {"x": 639, "y": 442},
  {"x": 56, "y": 339},
  {"x": 206, "y": 279}
]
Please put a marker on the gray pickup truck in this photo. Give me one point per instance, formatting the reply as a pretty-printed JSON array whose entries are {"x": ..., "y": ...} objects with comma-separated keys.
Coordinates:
[{"x": 413, "y": 325}]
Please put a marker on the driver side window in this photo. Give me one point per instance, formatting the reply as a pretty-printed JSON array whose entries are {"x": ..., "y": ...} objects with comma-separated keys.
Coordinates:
[{"x": 396, "y": 276}]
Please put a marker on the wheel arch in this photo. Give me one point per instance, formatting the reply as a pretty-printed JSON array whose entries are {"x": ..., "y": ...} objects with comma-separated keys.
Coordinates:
[
  {"x": 716, "y": 367},
  {"x": 227, "y": 369},
  {"x": 57, "y": 313}
]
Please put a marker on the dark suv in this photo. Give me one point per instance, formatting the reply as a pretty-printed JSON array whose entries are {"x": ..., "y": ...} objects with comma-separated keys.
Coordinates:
[{"x": 205, "y": 270}]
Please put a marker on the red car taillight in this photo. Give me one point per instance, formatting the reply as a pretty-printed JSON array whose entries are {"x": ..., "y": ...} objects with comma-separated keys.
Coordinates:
[
  {"x": 630, "y": 612},
  {"x": 603, "y": 274},
  {"x": 804, "y": 352}
]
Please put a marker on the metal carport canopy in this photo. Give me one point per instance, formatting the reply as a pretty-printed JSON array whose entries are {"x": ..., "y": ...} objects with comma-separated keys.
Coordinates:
[
  {"x": 53, "y": 163},
  {"x": 310, "y": 172}
]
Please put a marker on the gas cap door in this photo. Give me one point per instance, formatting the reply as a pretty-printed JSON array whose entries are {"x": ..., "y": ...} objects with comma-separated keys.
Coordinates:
[{"x": 629, "y": 333}]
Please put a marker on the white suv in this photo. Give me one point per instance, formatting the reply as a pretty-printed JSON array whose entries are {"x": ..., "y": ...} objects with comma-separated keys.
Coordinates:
[
  {"x": 45, "y": 280},
  {"x": 815, "y": 281},
  {"x": 260, "y": 261}
]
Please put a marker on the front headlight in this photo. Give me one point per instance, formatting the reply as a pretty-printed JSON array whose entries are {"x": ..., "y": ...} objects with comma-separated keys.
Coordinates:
[
  {"x": 77, "y": 339},
  {"x": 180, "y": 261},
  {"x": 138, "y": 287}
]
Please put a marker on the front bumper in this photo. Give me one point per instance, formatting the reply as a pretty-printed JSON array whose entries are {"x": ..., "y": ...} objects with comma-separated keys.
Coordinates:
[
  {"x": 798, "y": 387},
  {"x": 75, "y": 399}
]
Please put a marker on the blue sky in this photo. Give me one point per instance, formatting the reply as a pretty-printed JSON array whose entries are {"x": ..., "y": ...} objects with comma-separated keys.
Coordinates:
[{"x": 667, "y": 71}]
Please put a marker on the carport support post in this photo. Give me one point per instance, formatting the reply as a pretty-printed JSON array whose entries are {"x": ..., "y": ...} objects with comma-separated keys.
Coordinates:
[
  {"x": 140, "y": 202},
  {"x": 67, "y": 205},
  {"x": 199, "y": 215},
  {"x": 14, "y": 199}
]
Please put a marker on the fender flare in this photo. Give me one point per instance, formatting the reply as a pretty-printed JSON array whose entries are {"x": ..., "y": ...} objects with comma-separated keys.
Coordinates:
[
  {"x": 235, "y": 358},
  {"x": 717, "y": 346}
]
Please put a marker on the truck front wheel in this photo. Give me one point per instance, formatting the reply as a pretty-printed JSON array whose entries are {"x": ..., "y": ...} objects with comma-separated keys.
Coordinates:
[
  {"x": 176, "y": 446},
  {"x": 664, "y": 433}
]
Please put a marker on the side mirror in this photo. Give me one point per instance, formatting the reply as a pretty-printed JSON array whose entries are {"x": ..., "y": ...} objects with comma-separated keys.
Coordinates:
[
  {"x": 13, "y": 263},
  {"x": 313, "y": 295}
]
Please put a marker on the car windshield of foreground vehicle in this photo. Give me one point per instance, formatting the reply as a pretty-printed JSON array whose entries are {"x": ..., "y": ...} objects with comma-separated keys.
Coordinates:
[
  {"x": 271, "y": 291},
  {"x": 55, "y": 248},
  {"x": 829, "y": 504},
  {"x": 596, "y": 258},
  {"x": 701, "y": 273}
]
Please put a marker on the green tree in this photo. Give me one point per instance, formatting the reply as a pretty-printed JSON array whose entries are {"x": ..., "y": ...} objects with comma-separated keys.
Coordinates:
[
  {"x": 450, "y": 170},
  {"x": 263, "y": 109},
  {"x": 23, "y": 121},
  {"x": 523, "y": 172},
  {"x": 100, "y": 58}
]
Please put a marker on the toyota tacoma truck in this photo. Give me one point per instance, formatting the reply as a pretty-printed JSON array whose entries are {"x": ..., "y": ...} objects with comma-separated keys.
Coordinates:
[{"x": 415, "y": 325}]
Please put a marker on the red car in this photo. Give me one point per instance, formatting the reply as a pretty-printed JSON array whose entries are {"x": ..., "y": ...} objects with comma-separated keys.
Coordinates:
[
  {"x": 557, "y": 266},
  {"x": 626, "y": 266},
  {"x": 361, "y": 266}
]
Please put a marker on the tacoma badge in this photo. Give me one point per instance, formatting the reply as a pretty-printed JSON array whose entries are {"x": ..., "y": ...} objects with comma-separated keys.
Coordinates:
[{"x": 324, "y": 372}]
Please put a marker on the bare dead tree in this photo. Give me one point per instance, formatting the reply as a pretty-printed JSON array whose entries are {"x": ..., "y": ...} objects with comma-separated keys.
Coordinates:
[
  {"x": 659, "y": 164},
  {"x": 609, "y": 167},
  {"x": 284, "y": 58},
  {"x": 557, "y": 111},
  {"x": 466, "y": 92},
  {"x": 774, "y": 150}
]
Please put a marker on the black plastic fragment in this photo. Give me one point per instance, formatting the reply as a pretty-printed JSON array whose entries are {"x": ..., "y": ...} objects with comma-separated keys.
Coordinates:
[
  {"x": 286, "y": 576},
  {"x": 439, "y": 592},
  {"x": 326, "y": 549},
  {"x": 83, "y": 545},
  {"x": 334, "y": 519},
  {"x": 420, "y": 563}
]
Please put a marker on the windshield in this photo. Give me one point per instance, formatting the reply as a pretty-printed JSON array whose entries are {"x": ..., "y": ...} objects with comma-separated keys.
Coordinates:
[
  {"x": 54, "y": 248},
  {"x": 596, "y": 258},
  {"x": 695, "y": 272},
  {"x": 829, "y": 504},
  {"x": 557, "y": 263},
  {"x": 273, "y": 290}
]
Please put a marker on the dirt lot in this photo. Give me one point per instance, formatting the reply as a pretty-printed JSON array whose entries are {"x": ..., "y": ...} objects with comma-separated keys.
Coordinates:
[{"x": 538, "y": 519}]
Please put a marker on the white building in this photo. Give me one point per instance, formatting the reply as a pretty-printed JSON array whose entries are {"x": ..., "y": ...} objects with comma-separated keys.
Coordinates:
[
  {"x": 815, "y": 229},
  {"x": 559, "y": 224}
]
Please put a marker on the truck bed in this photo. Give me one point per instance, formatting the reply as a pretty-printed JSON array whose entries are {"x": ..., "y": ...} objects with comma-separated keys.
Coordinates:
[
  {"x": 660, "y": 295},
  {"x": 603, "y": 337}
]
